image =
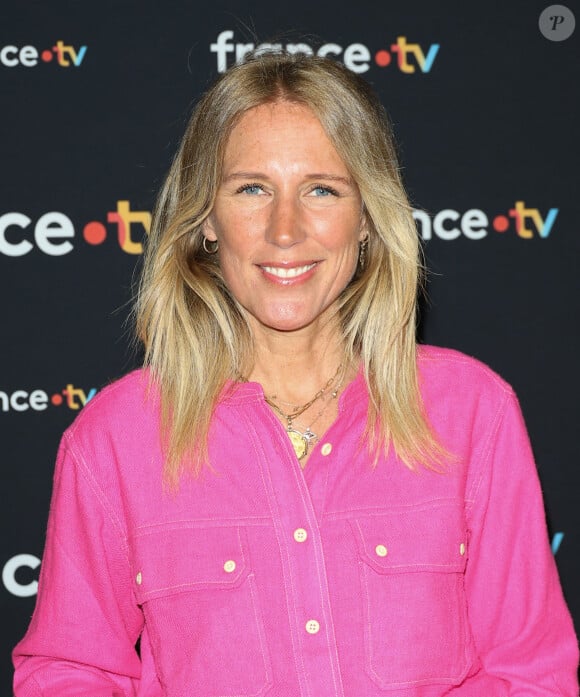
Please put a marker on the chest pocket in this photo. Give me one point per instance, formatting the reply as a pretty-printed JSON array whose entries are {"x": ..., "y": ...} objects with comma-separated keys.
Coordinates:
[
  {"x": 412, "y": 563},
  {"x": 201, "y": 610}
]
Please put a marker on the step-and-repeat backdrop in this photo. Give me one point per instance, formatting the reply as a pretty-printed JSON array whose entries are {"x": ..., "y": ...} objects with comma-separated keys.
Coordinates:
[{"x": 95, "y": 95}]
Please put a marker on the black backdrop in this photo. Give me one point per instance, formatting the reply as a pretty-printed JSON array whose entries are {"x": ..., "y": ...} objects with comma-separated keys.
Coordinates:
[{"x": 94, "y": 99}]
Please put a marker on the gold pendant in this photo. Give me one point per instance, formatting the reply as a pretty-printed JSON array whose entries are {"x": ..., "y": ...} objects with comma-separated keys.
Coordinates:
[{"x": 299, "y": 443}]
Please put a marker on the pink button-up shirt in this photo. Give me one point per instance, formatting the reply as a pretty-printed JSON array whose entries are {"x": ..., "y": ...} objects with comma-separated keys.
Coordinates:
[{"x": 259, "y": 578}]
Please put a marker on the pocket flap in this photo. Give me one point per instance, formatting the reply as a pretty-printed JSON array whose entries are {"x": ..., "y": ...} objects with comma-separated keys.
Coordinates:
[
  {"x": 430, "y": 537},
  {"x": 174, "y": 560}
]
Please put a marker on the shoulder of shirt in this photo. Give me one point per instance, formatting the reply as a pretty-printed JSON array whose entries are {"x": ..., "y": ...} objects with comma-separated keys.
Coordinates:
[
  {"x": 451, "y": 366},
  {"x": 127, "y": 399}
]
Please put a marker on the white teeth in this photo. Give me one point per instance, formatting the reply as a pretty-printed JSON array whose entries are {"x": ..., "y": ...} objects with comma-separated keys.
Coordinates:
[{"x": 287, "y": 273}]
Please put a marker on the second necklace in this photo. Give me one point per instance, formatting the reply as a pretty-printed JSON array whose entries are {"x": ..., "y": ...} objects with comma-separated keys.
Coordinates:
[{"x": 301, "y": 439}]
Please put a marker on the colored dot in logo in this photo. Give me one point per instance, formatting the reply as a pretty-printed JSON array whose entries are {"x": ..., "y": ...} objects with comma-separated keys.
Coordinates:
[
  {"x": 46, "y": 56},
  {"x": 382, "y": 58},
  {"x": 56, "y": 399},
  {"x": 95, "y": 232},
  {"x": 500, "y": 223}
]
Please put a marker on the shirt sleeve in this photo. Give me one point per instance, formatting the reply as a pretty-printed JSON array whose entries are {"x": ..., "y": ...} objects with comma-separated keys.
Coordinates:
[
  {"x": 81, "y": 640},
  {"x": 521, "y": 625}
]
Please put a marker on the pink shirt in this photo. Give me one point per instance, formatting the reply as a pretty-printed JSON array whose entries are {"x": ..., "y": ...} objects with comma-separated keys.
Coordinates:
[{"x": 263, "y": 579}]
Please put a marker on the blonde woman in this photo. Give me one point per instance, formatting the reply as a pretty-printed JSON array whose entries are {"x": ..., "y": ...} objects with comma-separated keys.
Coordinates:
[{"x": 292, "y": 498}]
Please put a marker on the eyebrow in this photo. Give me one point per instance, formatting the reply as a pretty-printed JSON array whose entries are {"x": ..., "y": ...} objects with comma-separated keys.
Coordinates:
[{"x": 313, "y": 177}]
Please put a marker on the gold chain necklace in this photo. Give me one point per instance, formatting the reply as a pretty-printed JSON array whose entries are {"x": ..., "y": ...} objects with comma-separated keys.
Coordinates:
[
  {"x": 308, "y": 434},
  {"x": 301, "y": 440}
]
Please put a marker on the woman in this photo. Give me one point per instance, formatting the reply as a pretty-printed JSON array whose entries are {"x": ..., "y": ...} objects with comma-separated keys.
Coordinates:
[{"x": 304, "y": 502}]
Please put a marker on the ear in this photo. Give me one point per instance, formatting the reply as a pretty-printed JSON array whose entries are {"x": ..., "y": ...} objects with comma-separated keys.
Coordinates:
[
  {"x": 207, "y": 229},
  {"x": 363, "y": 232}
]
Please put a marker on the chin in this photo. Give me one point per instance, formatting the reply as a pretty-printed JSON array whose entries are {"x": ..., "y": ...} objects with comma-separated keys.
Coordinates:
[
  {"x": 294, "y": 323},
  {"x": 290, "y": 319},
  {"x": 286, "y": 325},
  {"x": 282, "y": 322}
]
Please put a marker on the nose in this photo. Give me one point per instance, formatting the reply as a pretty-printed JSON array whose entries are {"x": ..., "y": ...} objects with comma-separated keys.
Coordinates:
[{"x": 286, "y": 224}]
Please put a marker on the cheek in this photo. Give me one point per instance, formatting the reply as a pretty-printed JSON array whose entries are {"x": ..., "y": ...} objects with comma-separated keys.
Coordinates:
[
  {"x": 342, "y": 229},
  {"x": 344, "y": 244},
  {"x": 237, "y": 271},
  {"x": 234, "y": 221},
  {"x": 230, "y": 262}
]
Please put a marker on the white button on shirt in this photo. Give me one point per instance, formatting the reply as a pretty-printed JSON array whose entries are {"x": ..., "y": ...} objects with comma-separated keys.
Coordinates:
[
  {"x": 312, "y": 627},
  {"x": 300, "y": 534},
  {"x": 326, "y": 449},
  {"x": 230, "y": 566},
  {"x": 381, "y": 551}
]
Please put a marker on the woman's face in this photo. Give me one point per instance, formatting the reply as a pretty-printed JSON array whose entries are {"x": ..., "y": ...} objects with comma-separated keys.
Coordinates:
[{"x": 288, "y": 218}]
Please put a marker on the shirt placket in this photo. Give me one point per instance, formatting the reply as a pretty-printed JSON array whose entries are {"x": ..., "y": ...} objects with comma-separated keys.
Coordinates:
[{"x": 302, "y": 557}]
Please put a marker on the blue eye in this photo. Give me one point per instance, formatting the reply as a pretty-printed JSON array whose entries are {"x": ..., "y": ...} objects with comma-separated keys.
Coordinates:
[
  {"x": 323, "y": 191},
  {"x": 251, "y": 189}
]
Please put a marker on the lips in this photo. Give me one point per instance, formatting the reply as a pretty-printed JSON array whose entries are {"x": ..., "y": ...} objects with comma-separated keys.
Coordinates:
[{"x": 285, "y": 272}]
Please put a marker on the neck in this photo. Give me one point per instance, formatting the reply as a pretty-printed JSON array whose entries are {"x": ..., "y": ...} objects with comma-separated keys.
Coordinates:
[{"x": 295, "y": 365}]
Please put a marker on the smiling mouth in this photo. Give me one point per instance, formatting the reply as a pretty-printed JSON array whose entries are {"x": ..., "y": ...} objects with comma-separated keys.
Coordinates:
[{"x": 282, "y": 272}]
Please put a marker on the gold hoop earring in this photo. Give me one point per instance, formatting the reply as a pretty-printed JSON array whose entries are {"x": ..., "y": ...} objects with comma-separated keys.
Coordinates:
[
  {"x": 362, "y": 252},
  {"x": 206, "y": 248}
]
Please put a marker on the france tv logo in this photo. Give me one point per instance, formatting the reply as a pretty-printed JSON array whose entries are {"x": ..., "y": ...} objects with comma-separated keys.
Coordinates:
[
  {"x": 407, "y": 57},
  {"x": 64, "y": 55}
]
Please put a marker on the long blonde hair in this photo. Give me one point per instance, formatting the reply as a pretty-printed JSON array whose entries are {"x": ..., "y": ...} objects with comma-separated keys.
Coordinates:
[{"x": 194, "y": 334}]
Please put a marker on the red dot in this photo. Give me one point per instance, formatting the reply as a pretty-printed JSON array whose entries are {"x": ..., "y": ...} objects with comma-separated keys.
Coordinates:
[
  {"x": 56, "y": 399},
  {"x": 382, "y": 58},
  {"x": 500, "y": 223},
  {"x": 95, "y": 232},
  {"x": 46, "y": 56}
]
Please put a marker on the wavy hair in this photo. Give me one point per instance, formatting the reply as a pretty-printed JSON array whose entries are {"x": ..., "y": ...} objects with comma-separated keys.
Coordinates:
[{"x": 195, "y": 336}]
